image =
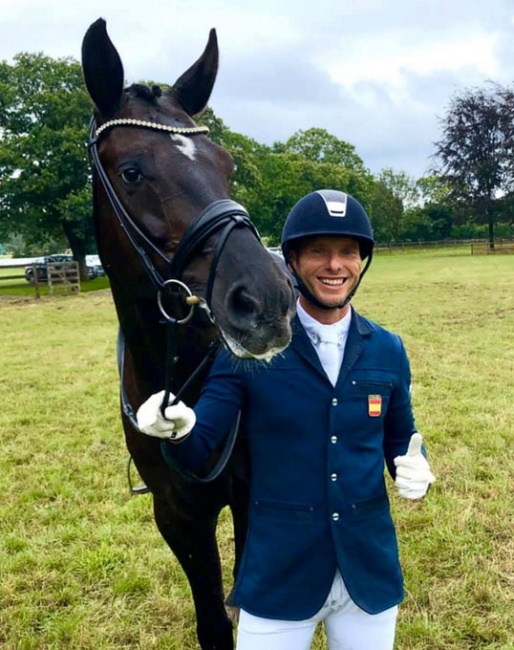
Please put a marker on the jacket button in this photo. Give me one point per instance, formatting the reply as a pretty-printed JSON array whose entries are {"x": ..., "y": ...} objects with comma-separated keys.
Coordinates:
[
  {"x": 333, "y": 477},
  {"x": 334, "y": 401},
  {"x": 335, "y": 516},
  {"x": 333, "y": 440}
]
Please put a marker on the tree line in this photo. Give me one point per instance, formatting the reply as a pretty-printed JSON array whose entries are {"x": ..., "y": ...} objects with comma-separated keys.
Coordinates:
[{"x": 45, "y": 180}]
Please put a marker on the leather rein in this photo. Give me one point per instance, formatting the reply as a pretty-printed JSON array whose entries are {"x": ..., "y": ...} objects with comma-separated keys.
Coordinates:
[{"x": 221, "y": 216}]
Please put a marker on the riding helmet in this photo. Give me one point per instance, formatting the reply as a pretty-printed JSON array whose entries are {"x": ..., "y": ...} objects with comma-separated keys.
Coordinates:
[{"x": 328, "y": 212}]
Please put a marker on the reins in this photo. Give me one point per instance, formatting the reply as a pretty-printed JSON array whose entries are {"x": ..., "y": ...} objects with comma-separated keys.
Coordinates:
[{"x": 223, "y": 215}]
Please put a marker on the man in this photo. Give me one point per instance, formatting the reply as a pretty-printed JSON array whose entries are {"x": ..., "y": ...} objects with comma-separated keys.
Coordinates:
[{"x": 321, "y": 419}]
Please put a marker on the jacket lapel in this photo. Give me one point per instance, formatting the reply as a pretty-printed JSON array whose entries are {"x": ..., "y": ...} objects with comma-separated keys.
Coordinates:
[
  {"x": 302, "y": 345},
  {"x": 360, "y": 328}
]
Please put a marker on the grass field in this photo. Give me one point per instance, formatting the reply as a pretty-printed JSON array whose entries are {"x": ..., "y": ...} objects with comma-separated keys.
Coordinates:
[
  {"x": 18, "y": 286},
  {"x": 81, "y": 563}
]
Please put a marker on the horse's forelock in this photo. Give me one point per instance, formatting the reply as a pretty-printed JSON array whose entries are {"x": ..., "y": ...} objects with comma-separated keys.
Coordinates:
[{"x": 148, "y": 93}]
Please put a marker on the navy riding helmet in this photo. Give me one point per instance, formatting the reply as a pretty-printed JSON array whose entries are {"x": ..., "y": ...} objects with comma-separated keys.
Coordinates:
[{"x": 328, "y": 212}]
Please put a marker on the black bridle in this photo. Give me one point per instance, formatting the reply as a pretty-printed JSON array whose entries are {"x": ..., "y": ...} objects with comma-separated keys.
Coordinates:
[
  {"x": 224, "y": 215},
  {"x": 221, "y": 216}
]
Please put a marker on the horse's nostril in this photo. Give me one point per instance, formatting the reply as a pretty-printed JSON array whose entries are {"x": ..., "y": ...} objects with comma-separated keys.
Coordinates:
[{"x": 241, "y": 303}]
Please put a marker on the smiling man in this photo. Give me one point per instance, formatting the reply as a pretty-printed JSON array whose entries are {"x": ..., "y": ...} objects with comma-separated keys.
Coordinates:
[
  {"x": 330, "y": 268},
  {"x": 321, "y": 420}
]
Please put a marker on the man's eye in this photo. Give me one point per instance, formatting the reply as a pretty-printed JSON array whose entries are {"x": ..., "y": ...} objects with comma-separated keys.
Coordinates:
[{"x": 132, "y": 175}]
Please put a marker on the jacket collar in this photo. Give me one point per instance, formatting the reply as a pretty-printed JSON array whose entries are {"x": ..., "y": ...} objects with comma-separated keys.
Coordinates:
[{"x": 360, "y": 329}]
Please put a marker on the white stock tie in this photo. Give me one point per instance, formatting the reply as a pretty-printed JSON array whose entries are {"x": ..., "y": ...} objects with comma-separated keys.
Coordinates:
[
  {"x": 329, "y": 340},
  {"x": 329, "y": 352}
]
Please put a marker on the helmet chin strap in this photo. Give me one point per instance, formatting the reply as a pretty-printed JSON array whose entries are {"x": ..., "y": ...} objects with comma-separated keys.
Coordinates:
[{"x": 312, "y": 299}]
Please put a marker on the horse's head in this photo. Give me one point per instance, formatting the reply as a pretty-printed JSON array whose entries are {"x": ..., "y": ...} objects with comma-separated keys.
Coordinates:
[{"x": 162, "y": 207}]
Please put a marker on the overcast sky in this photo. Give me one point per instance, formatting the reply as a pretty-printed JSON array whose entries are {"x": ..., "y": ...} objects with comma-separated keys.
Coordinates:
[{"x": 375, "y": 73}]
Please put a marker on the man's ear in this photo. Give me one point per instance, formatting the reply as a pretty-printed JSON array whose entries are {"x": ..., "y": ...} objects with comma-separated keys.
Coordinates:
[{"x": 292, "y": 259}]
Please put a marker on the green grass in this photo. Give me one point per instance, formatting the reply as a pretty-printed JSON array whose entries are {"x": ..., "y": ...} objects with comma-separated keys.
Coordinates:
[
  {"x": 24, "y": 288},
  {"x": 81, "y": 563}
]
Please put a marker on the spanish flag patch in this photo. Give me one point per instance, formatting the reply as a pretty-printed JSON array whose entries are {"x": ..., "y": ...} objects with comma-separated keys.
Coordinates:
[{"x": 374, "y": 406}]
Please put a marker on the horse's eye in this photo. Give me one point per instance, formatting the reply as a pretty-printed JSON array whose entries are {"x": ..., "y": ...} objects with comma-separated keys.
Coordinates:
[{"x": 132, "y": 175}]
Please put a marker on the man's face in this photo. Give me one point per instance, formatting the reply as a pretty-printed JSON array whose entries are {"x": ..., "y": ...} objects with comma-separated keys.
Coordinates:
[{"x": 329, "y": 266}]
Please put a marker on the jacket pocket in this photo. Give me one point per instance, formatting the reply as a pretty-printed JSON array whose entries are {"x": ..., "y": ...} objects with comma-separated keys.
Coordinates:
[
  {"x": 283, "y": 511},
  {"x": 369, "y": 507},
  {"x": 369, "y": 387}
]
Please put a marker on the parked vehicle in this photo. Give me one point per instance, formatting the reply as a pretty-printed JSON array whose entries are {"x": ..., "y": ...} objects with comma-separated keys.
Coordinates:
[
  {"x": 94, "y": 266},
  {"x": 40, "y": 265},
  {"x": 275, "y": 250}
]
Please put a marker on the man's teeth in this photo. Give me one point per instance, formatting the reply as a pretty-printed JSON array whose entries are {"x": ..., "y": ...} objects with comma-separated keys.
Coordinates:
[{"x": 333, "y": 283}]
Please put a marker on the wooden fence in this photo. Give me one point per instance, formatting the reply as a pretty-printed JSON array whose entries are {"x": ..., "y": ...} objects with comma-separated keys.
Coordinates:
[
  {"x": 17, "y": 279},
  {"x": 500, "y": 246},
  {"x": 61, "y": 277},
  {"x": 475, "y": 246}
]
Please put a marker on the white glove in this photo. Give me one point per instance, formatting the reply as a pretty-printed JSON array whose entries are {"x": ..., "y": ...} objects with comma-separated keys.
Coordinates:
[
  {"x": 413, "y": 475},
  {"x": 176, "y": 425}
]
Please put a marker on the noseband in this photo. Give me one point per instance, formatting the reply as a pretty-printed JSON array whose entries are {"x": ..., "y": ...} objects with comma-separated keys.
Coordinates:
[{"x": 221, "y": 216}]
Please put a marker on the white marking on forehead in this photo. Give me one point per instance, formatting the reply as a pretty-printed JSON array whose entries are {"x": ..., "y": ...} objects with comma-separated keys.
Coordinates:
[{"x": 185, "y": 145}]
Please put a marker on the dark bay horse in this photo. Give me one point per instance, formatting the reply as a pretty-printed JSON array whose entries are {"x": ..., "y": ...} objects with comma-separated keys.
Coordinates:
[{"x": 169, "y": 237}]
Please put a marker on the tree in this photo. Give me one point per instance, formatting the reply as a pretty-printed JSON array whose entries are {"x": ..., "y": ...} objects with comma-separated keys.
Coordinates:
[
  {"x": 401, "y": 185},
  {"x": 476, "y": 151},
  {"x": 287, "y": 177},
  {"x": 318, "y": 145},
  {"x": 45, "y": 180},
  {"x": 386, "y": 213},
  {"x": 246, "y": 181},
  {"x": 308, "y": 161},
  {"x": 395, "y": 197},
  {"x": 269, "y": 181},
  {"x": 434, "y": 218},
  {"x": 433, "y": 189}
]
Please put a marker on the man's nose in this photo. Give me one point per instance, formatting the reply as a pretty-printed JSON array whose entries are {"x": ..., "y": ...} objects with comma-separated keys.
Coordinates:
[{"x": 335, "y": 262}]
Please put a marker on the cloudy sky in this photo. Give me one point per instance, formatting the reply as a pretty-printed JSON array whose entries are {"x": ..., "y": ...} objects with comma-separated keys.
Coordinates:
[{"x": 376, "y": 73}]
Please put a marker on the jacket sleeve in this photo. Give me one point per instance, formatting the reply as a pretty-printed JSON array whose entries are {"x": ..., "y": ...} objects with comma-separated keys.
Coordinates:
[
  {"x": 399, "y": 420},
  {"x": 216, "y": 413}
]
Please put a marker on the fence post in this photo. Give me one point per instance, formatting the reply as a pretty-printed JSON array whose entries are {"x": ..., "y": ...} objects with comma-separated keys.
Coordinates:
[{"x": 36, "y": 281}]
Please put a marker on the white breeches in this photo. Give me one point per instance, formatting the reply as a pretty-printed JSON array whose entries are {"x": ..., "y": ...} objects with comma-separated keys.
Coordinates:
[{"x": 347, "y": 627}]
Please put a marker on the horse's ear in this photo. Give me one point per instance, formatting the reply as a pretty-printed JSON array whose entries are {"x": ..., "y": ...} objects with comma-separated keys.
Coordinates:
[
  {"x": 102, "y": 69},
  {"x": 193, "y": 89}
]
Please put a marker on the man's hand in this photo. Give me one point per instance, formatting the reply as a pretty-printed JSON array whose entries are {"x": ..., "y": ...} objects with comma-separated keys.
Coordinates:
[
  {"x": 413, "y": 475},
  {"x": 175, "y": 426}
]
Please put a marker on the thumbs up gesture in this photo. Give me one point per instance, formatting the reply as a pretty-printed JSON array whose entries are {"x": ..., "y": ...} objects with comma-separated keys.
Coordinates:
[{"x": 413, "y": 475}]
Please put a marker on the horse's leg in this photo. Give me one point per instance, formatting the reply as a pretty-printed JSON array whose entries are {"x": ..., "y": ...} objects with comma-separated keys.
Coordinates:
[{"x": 192, "y": 539}]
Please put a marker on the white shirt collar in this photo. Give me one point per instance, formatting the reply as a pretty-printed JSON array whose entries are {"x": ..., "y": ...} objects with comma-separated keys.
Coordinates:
[{"x": 317, "y": 332}]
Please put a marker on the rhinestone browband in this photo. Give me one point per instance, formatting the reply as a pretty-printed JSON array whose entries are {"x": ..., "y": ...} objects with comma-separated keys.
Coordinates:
[{"x": 180, "y": 130}]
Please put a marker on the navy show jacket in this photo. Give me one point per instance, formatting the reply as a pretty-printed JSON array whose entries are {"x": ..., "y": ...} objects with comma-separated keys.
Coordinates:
[{"x": 318, "y": 495}]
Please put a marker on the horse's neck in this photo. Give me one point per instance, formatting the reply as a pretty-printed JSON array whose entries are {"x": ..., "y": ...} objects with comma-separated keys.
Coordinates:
[{"x": 143, "y": 352}]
